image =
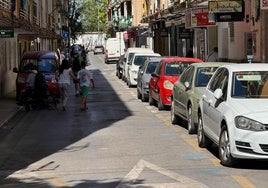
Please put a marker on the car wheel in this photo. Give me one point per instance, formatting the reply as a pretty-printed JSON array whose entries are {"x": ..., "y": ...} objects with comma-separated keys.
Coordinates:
[
  {"x": 160, "y": 104},
  {"x": 27, "y": 107},
  {"x": 174, "y": 117},
  {"x": 190, "y": 120},
  {"x": 138, "y": 94},
  {"x": 224, "y": 148},
  {"x": 151, "y": 100},
  {"x": 202, "y": 139},
  {"x": 119, "y": 75},
  {"x": 143, "y": 97}
]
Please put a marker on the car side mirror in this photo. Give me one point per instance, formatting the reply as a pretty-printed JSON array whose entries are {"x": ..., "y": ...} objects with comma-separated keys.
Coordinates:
[
  {"x": 15, "y": 69},
  {"x": 218, "y": 93},
  {"x": 187, "y": 85}
]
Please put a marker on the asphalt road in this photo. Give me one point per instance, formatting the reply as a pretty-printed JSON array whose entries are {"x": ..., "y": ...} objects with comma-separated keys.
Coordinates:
[{"x": 118, "y": 142}]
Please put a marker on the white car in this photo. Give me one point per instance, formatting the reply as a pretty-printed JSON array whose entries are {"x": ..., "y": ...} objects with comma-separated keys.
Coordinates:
[
  {"x": 129, "y": 55},
  {"x": 134, "y": 65},
  {"x": 233, "y": 112}
]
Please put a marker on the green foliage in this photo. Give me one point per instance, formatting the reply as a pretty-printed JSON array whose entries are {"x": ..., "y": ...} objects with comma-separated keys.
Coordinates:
[
  {"x": 94, "y": 12},
  {"x": 86, "y": 15},
  {"x": 75, "y": 19}
]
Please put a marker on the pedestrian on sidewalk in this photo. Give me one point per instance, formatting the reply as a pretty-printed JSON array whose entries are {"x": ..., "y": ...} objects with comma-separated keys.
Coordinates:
[
  {"x": 64, "y": 80},
  {"x": 213, "y": 55},
  {"x": 85, "y": 77}
]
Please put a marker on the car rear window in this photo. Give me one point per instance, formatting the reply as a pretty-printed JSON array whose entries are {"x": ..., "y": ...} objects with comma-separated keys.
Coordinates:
[
  {"x": 175, "y": 68},
  {"x": 139, "y": 60},
  {"x": 250, "y": 84},
  {"x": 203, "y": 75},
  {"x": 151, "y": 67},
  {"x": 43, "y": 65}
]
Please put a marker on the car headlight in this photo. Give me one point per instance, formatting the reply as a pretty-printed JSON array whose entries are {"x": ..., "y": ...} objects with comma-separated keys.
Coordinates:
[
  {"x": 168, "y": 84},
  {"x": 248, "y": 124}
]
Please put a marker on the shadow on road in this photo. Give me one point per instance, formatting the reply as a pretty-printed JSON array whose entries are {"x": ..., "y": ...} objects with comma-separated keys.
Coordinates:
[{"x": 32, "y": 136}]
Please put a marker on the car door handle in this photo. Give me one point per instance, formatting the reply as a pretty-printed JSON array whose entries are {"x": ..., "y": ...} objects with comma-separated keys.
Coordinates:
[{"x": 209, "y": 102}]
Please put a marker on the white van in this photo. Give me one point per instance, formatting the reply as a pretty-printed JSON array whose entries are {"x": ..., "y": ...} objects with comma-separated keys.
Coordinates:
[
  {"x": 114, "y": 48},
  {"x": 129, "y": 55}
]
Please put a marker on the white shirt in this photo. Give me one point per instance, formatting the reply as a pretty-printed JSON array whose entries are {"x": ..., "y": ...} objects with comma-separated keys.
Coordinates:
[
  {"x": 84, "y": 76},
  {"x": 64, "y": 77},
  {"x": 212, "y": 57}
]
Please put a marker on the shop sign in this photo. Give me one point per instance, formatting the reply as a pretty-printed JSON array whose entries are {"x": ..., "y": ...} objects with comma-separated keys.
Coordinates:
[
  {"x": 6, "y": 32},
  {"x": 225, "y": 6},
  {"x": 197, "y": 17},
  {"x": 184, "y": 33},
  {"x": 164, "y": 32},
  {"x": 229, "y": 17}
]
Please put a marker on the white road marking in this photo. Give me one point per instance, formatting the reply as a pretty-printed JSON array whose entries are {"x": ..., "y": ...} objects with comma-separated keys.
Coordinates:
[{"x": 183, "y": 181}]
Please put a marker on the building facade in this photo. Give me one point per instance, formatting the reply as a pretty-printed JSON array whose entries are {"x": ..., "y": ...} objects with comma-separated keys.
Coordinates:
[
  {"x": 237, "y": 27},
  {"x": 28, "y": 25}
]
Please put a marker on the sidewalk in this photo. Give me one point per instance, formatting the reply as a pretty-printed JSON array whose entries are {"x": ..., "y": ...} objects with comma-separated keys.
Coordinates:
[{"x": 8, "y": 108}]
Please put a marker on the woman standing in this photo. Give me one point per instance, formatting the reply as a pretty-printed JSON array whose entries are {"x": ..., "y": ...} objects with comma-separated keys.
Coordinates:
[{"x": 64, "y": 80}]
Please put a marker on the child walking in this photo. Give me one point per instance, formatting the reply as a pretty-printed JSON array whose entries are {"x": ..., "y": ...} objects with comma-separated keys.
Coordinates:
[
  {"x": 64, "y": 76},
  {"x": 85, "y": 77}
]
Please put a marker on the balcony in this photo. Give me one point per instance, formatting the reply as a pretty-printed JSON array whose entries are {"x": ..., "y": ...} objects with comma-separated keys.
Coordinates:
[
  {"x": 124, "y": 22},
  {"x": 6, "y": 5}
]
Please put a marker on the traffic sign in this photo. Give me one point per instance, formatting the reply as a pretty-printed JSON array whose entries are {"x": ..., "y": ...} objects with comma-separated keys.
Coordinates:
[{"x": 65, "y": 35}]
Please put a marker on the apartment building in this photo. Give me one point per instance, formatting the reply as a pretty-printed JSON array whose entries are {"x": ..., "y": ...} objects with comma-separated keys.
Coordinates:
[{"x": 28, "y": 25}]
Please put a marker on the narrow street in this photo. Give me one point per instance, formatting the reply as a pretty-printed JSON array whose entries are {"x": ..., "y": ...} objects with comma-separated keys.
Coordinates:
[{"x": 118, "y": 142}]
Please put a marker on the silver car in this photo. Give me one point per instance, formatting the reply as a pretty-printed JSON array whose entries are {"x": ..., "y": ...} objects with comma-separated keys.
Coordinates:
[
  {"x": 187, "y": 92},
  {"x": 144, "y": 76}
]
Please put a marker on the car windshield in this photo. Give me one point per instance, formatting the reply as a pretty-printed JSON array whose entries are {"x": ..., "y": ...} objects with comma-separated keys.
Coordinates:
[
  {"x": 250, "y": 84},
  {"x": 43, "y": 65},
  {"x": 203, "y": 76},
  {"x": 175, "y": 68},
  {"x": 151, "y": 67}
]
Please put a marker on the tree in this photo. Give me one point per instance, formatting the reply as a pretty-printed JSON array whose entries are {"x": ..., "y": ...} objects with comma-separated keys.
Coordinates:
[
  {"x": 94, "y": 12},
  {"x": 75, "y": 19}
]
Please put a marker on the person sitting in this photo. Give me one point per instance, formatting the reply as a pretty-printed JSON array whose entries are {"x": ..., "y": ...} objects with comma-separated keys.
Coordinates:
[{"x": 29, "y": 88}]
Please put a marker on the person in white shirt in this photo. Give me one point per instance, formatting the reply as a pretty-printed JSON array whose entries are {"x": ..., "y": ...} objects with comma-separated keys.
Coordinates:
[
  {"x": 64, "y": 80},
  {"x": 213, "y": 55},
  {"x": 85, "y": 77}
]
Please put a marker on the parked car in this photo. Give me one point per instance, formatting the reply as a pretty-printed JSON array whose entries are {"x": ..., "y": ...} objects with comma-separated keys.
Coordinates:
[
  {"x": 187, "y": 92},
  {"x": 119, "y": 66},
  {"x": 129, "y": 55},
  {"x": 98, "y": 49},
  {"x": 233, "y": 112},
  {"x": 144, "y": 75},
  {"x": 45, "y": 62},
  {"x": 114, "y": 47},
  {"x": 133, "y": 66},
  {"x": 166, "y": 74}
]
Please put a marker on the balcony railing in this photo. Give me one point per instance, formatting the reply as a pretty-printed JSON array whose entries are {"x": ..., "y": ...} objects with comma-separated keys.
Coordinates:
[
  {"x": 36, "y": 20},
  {"x": 24, "y": 14},
  {"x": 5, "y": 4},
  {"x": 125, "y": 22}
]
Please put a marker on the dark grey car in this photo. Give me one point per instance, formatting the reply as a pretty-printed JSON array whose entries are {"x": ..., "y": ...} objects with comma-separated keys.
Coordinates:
[{"x": 144, "y": 75}]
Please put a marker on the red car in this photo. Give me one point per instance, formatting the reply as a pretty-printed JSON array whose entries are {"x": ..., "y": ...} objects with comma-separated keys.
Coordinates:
[
  {"x": 45, "y": 62},
  {"x": 166, "y": 74}
]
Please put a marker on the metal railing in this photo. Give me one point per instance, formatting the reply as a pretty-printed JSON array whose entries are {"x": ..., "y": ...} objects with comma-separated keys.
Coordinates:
[{"x": 5, "y": 4}]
